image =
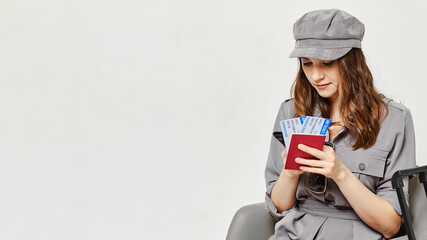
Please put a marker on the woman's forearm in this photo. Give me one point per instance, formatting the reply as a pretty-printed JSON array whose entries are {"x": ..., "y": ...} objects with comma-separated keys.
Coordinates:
[
  {"x": 373, "y": 210},
  {"x": 283, "y": 192}
]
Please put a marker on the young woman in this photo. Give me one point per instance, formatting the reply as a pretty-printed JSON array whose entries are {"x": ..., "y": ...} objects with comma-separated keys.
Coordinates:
[{"x": 372, "y": 136}]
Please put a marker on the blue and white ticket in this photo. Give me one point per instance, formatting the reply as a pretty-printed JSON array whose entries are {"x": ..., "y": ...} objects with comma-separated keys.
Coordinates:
[
  {"x": 306, "y": 125},
  {"x": 316, "y": 125},
  {"x": 291, "y": 126}
]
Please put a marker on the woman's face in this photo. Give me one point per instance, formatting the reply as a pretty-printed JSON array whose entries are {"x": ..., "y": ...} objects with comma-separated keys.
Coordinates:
[{"x": 324, "y": 76}]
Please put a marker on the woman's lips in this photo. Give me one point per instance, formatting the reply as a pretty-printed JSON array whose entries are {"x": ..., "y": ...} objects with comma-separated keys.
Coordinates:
[{"x": 322, "y": 86}]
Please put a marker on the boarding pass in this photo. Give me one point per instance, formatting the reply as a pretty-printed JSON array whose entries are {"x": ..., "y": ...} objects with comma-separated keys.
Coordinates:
[{"x": 304, "y": 125}]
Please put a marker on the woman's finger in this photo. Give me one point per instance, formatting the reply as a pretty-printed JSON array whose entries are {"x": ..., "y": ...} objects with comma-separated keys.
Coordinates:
[
  {"x": 312, "y": 151},
  {"x": 311, "y": 163},
  {"x": 284, "y": 154},
  {"x": 313, "y": 170}
]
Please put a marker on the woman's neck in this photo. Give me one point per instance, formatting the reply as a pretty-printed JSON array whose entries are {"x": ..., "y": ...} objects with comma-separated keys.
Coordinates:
[{"x": 336, "y": 110}]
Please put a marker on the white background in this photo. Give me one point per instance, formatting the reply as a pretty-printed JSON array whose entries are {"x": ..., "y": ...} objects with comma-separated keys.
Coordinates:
[{"x": 152, "y": 119}]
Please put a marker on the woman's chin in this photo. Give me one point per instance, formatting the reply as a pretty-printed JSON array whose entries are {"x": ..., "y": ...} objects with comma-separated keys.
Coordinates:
[
  {"x": 328, "y": 95},
  {"x": 325, "y": 95}
]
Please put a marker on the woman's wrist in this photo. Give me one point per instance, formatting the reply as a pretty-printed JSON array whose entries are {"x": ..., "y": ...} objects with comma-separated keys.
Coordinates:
[
  {"x": 291, "y": 174},
  {"x": 283, "y": 192},
  {"x": 344, "y": 175}
]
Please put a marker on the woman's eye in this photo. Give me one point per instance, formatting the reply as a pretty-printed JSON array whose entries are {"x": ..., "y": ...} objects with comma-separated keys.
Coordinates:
[
  {"x": 328, "y": 63},
  {"x": 306, "y": 63}
]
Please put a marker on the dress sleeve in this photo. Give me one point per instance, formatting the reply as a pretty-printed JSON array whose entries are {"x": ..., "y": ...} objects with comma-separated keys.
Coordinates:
[
  {"x": 402, "y": 156},
  {"x": 274, "y": 166}
]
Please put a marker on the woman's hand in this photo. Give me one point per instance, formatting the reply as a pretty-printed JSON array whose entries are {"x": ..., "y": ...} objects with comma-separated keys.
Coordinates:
[
  {"x": 328, "y": 164},
  {"x": 290, "y": 172}
]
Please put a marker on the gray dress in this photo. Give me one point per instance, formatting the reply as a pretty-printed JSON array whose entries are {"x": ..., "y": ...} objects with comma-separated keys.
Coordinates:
[{"x": 328, "y": 215}]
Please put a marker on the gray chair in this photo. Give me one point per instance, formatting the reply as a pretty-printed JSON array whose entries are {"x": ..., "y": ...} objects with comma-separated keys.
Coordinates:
[{"x": 252, "y": 222}]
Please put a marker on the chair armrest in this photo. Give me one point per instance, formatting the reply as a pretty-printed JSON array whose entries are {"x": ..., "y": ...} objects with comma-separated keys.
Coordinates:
[{"x": 251, "y": 222}]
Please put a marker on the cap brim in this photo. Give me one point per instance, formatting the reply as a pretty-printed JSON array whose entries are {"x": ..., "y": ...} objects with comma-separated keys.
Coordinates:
[{"x": 320, "y": 53}]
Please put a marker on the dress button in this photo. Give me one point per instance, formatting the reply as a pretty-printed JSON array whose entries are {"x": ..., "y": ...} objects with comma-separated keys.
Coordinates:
[{"x": 362, "y": 167}]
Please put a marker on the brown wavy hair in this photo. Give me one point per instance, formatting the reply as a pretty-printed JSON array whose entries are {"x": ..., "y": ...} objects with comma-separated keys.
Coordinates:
[{"x": 362, "y": 110}]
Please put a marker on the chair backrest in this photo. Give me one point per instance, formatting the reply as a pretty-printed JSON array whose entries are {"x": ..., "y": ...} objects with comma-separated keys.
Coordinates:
[
  {"x": 415, "y": 212},
  {"x": 418, "y": 208}
]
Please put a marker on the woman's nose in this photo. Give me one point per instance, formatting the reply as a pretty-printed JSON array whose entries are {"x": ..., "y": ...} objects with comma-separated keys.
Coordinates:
[{"x": 317, "y": 74}]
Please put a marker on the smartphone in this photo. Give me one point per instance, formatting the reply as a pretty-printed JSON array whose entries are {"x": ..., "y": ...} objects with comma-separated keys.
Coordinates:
[{"x": 279, "y": 136}]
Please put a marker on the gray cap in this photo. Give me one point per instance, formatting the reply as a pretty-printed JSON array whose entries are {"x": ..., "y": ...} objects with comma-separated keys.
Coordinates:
[{"x": 327, "y": 34}]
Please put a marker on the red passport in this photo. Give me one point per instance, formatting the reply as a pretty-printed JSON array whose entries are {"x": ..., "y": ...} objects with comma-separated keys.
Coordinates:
[{"x": 314, "y": 141}]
